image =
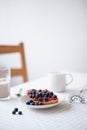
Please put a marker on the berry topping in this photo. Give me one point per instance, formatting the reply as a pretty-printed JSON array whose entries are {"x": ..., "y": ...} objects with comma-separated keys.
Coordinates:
[
  {"x": 30, "y": 95},
  {"x": 28, "y": 92},
  {"x": 40, "y": 97},
  {"x": 35, "y": 99},
  {"x": 32, "y": 103},
  {"x": 40, "y": 103},
  {"x": 28, "y": 102},
  {"x": 39, "y": 90},
  {"x": 47, "y": 94},
  {"x": 45, "y": 90},
  {"x": 54, "y": 96},
  {"x": 33, "y": 95},
  {"x": 51, "y": 93},
  {"x": 43, "y": 94},
  {"x": 36, "y": 103},
  {"x": 40, "y": 94},
  {"x": 36, "y": 95},
  {"x": 45, "y": 98},
  {"x": 33, "y": 90}
]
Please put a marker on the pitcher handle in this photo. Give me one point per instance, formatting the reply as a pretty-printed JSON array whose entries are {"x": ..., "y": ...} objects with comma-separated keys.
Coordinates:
[{"x": 70, "y": 75}]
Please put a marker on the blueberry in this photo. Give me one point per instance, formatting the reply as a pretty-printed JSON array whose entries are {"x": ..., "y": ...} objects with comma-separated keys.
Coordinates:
[
  {"x": 45, "y": 91},
  {"x": 40, "y": 93},
  {"x": 47, "y": 94},
  {"x": 43, "y": 94},
  {"x": 16, "y": 109},
  {"x": 54, "y": 96},
  {"x": 20, "y": 112},
  {"x": 40, "y": 103},
  {"x": 51, "y": 93},
  {"x": 45, "y": 98},
  {"x": 32, "y": 103},
  {"x": 40, "y": 99},
  {"x": 36, "y": 103},
  {"x": 28, "y": 103},
  {"x": 33, "y": 95},
  {"x": 30, "y": 95},
  {"x": 36, "y": 95},
  {"x": 33, "y": 92},
  {"x": 14, "y": 112},
  {"x": 39, "y": 90}
]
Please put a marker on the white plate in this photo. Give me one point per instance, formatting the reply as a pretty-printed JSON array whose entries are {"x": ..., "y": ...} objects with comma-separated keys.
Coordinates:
[{"x": 25, "y": 98}]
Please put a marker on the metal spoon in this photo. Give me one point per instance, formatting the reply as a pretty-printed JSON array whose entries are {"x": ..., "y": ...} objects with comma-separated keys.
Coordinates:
[
  {"x": 80, "y": 96},
  {"x": 19, "y": 93}
]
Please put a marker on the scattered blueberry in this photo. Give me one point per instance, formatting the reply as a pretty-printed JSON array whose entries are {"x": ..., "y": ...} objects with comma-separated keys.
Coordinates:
[
  {"x": 14, "y": 112},
  {"x": 20, "y": 112},
  {"x": 16, "y": 109}
]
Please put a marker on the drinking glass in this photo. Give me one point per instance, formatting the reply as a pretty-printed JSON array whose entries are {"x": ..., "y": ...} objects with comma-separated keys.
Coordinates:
[{"x": 4, "y": 82}]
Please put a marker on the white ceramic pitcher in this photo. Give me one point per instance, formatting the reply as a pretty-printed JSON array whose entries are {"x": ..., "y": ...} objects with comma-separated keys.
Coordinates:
[{"x": 59, "y": 81}]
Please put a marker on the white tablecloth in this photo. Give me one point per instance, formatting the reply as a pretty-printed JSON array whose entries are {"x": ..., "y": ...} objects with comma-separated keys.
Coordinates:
[{"x": 65, "y": 116}]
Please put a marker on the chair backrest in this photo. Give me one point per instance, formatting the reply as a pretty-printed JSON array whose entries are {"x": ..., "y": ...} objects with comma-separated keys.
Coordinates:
[{"x": 4, "y": 49}]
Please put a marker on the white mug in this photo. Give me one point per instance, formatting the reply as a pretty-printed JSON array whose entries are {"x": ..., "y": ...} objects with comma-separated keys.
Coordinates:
[{"x": 59, "y": 81}]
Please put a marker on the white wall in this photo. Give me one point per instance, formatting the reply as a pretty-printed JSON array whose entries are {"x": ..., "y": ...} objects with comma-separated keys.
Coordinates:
[{"x": 54, "y": 33}]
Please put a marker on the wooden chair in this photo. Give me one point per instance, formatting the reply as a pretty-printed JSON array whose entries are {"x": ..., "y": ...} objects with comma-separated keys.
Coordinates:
[{"x": 13, "y": 49}]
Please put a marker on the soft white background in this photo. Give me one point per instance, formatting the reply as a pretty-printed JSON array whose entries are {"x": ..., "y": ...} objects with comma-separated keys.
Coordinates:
[{"x": 54, "y": 33}]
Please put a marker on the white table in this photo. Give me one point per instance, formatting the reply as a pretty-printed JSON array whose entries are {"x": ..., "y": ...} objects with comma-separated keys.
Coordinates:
[{"x": 65, "y": 116}]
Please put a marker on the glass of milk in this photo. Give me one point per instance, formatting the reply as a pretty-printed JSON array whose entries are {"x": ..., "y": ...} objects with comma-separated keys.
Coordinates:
[{"x": 4, "y": 82}]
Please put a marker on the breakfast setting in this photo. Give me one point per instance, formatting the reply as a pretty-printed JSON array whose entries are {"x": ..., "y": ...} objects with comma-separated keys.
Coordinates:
[
  {"x": 57, "y": 94},
  {"x": 43, "y": 64},
  {"x": 47, "y": 97}
]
